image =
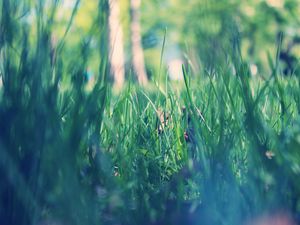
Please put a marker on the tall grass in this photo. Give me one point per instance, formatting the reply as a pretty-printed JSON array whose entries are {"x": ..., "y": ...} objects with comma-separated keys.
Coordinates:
[{"x": 221, "y": 151}]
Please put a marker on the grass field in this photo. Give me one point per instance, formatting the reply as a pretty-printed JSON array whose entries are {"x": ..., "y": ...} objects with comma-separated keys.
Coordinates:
[{"x": 217, "y": 148}]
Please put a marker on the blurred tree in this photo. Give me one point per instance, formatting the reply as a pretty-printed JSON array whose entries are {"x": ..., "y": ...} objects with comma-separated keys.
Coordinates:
[
  {"x": 212, "y": 30},
  {"x": 261, "y": 22},
  {"x": 116, "y": 45},
  {"x": 138, "y": 62}
]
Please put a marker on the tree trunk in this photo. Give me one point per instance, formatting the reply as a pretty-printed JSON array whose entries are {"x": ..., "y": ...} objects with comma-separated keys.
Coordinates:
[
  {"x": 116, "y": 45},
  {"x": 136, "y": 44}
]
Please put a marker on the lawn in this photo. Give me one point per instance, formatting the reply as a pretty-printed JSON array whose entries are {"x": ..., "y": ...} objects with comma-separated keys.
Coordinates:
[{"x": 221, "y": 147}]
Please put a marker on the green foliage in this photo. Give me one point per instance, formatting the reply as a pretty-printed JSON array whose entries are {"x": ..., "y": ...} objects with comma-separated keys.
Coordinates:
[
  {"x": 213, "y": 29},
  {"x": 217, "y": 150}
]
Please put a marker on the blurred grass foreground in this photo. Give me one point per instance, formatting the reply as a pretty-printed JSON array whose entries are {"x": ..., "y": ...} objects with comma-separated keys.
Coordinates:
[{"x": 130, "y": 112}]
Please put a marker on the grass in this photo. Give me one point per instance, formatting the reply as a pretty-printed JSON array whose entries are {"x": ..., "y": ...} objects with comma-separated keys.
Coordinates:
[{"x": 221, "y": 149}]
